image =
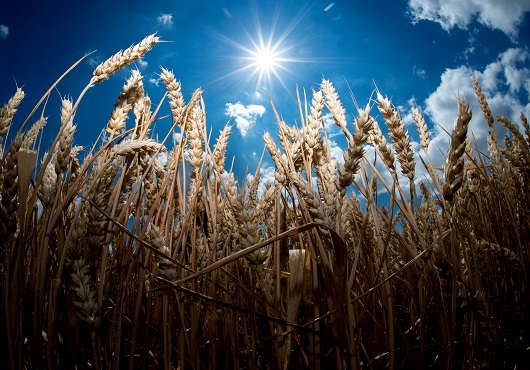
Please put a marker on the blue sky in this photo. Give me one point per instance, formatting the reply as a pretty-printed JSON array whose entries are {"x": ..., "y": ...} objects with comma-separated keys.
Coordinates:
[{"x": 419, "y": 53}]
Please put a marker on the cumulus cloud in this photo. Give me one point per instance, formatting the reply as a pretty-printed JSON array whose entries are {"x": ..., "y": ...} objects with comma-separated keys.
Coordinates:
[
  {"x": 165, "y": 20},
  {"x": 505, "y": 16},
  {"x": 244, "y": 115},
  {"x": 336, "y": 152},
  {"x": 501, "y": 83},
  {"x": 4, "y": 31}
]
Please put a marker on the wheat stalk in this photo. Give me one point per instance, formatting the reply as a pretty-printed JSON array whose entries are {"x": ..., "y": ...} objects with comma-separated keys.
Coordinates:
[
  {"x": 454, "y": 165},
  {"x": 422, "y": 129},
  {"x": 176, "y": 101},
  {"x": 400, "y": 137},
  {"x": 8, "y": 111},
  {"x": 122, "y": 59},
  {"x": 64, "y": 147}
]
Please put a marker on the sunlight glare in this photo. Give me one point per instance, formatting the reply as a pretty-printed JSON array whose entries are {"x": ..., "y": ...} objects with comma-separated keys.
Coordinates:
[{"x": 265, "y": 59}]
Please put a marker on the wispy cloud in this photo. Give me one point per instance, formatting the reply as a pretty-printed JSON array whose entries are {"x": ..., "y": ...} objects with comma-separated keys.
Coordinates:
[
  {"x": 329, "y": 7},
  {"x": 4, "y": 31},
  {"x": 245, "y": 116},
  {"x": 419, "y": 72},
  {"x": 165, "y": 20},
  {"x": 226, "y": 13},
  {"x": 93, "y": 62},
  {"x": 505, "y": 16}
]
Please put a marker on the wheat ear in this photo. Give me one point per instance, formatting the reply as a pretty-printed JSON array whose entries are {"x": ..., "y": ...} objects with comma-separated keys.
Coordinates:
[
  {"x": 423, "y": 130},
  {"x": 8, "y": 111},
  {"x": 454, "y": 165},
  {"x": 64, "y": 147},
  {"x": 122, "y": 59},
  {"x": 174, "y": 93},
  {"x": 400, "y": 137},
  {"x": 483, "y": 103}
]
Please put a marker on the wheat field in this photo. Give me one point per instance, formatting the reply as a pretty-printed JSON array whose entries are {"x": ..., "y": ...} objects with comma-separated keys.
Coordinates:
[{"x": 110, "y": 258}]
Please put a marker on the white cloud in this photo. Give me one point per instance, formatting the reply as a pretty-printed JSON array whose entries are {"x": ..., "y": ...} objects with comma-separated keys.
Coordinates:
[
  {"x": 165, "y": 19},
  {"x": 4, "y": 31},
  {"x": 329, "y": 7},
  {"x": 93, "y": 62},
  {"x": 154, "y": 81},
  {"x": 330, "y": 126},
  {"x": 245, "y": 116},
  {"x": 505, "y": 16},
  {"x": 336, "y": 152},
  {"x": 405, "y": 112},
  {"x": 501, "y": 86},
  {"x": 142, "y": 63},
  {"x": 419, "y": 72},
  {"x": 226, "y": 13},
  {"x": 162, "y": 158},
  {"x": 176, "y": 137}
]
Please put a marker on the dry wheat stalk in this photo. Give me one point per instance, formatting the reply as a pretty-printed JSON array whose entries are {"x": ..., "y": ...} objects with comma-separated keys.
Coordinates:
[
  {"x": 9, "y": 189},
  {"x": 132, "y": 90},
  {"x": 334, "y": 105},
  {"x": 247, "y": 228},
  {"x": 48, "y": 188},
  {"x": 526, "y": 127},
  {"x": 312, "y": 135},
  {"x": 33, "y": 132},
  {"x": 521, "y": 148},
  {"x": 483, "y": 103},
  {"x": 454, "y": 165},
  {"x": 355, "y": 151},
  {"x": 219, "y": 150},
  {"x": 196, "y": 97},
  {"x": 230, "y": 227},
  {"x": 103, "y": 176},
  {"x": 279, "y": 159},
  {"x": 64, "y": 147},
  {"x": 400, "y": 137},
  {"x": 313, "y": 203},
  {"x": 378, "y": 141},
  {"x": 194, "y": 132},
  {"x": 8, "y": 111},
  {"x": 498, "y": 166},
  {"x": 176, "y": 100},
  {"x": 122, "y": 59},
  {"x": 158, "y": 240},
  {"x": 423, "y": 130},
  {"x": 150, "y": 189},
  {"x": 252, "y": 190},
  {"x": 85, "y": 301},
  {"x": 131, "y": 146},
  {"x": 472, "y": 173},
  {"x": 291, "y": 140},
  {"x": 142, "y": 116},
  {"x": 328, "y": 179}
]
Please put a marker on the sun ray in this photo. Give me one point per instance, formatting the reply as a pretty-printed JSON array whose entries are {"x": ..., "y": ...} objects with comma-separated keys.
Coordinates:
[{"x": 268, "y": 54}]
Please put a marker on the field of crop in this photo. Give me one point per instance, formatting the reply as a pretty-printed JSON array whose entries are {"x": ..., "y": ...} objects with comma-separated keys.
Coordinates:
[{"x": 110, "y": 259}]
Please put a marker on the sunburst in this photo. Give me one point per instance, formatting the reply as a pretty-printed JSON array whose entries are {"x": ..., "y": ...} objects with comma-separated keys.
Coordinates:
[{"x": 266, "y": 56}]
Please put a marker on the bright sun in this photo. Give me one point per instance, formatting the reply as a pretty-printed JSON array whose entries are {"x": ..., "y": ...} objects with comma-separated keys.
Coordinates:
[
  {"x": 265, "y": 59},
  {"x": 266, "y": 56}
]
